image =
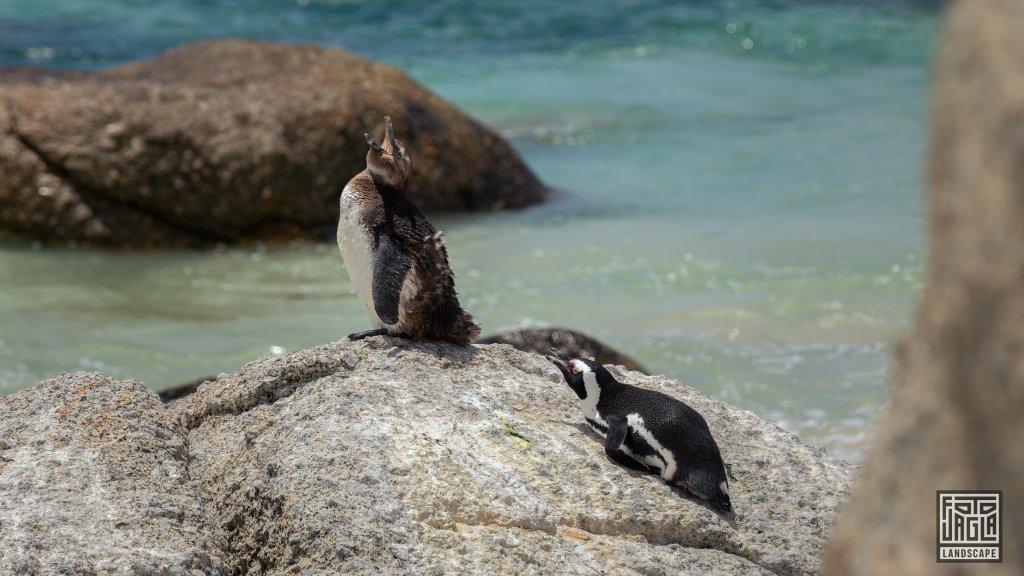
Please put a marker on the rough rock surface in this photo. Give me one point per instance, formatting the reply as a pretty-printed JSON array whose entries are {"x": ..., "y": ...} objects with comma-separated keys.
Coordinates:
[
  {"x": 384, "y": 456},
  {"x": 955, "y": 421},
  {"x": 93, "y": 480},
  {"x": 228, "y": 140},
  {"x": 570, "y": 342}
]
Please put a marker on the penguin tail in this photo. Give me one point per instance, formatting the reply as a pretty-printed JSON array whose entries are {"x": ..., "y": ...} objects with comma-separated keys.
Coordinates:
[
  {"x": 466, "y": 326},
  {"x": 438, "y": 300}
]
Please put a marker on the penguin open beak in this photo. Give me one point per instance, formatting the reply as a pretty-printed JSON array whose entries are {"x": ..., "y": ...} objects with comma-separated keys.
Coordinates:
[
  {"x": 561, "y": 361},
  {"x": 389, "y": 145},
  {"x": 373, "y": 144}
]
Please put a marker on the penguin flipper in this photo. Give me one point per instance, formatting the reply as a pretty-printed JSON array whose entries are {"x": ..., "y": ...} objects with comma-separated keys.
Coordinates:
[
  {"x": 617, "y": 430},
  {"x": 390, "y": 267}
]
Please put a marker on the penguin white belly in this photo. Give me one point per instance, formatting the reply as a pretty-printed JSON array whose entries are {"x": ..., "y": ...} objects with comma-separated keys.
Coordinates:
[{"x": 356, "y": 245}]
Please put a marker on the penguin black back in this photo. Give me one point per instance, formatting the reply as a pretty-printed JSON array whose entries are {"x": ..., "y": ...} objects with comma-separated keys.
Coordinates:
[
  {"x": 436, "y": 301},
  {"x": 648, "y": 430}
]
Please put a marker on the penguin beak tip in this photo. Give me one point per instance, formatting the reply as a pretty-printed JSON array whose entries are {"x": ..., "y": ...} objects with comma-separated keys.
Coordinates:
[
  {"x": 555, "y": 352},
  {"x": 389, "y": 135},
  {"x": 559, "y": 360},
  {"x": 373, "y": 144}
]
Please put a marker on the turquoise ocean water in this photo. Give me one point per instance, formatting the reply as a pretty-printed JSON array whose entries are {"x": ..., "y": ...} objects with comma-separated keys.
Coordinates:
[{"x": 739, "y": 198}]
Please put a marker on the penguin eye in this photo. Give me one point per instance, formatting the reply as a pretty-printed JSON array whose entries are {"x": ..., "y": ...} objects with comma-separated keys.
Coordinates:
[{"x": 575, "y": 368}]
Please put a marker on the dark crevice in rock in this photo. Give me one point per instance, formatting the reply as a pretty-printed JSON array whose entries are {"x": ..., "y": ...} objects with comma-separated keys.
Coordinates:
[
  {"x": 269, "y": 391},
  {"x": 280, "y": 383},
  {"x": 180, "y": 391}
]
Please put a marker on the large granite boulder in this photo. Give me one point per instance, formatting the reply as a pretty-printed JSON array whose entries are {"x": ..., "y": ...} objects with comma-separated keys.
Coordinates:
[
  {"x": 955, "y": 420},
  {"x": 383, "y": 456},
  {"x": 229, "y": 140}
]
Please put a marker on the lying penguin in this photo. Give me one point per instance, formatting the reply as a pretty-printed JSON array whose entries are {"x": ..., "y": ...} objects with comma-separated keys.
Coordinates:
[
  {"x": 647, "y": 430},
  {"x": 395, "y": 258}
]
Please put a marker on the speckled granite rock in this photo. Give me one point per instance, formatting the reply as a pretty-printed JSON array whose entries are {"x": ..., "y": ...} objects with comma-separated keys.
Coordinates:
[
  {"x": 93, "y": 480},
  {"x": 384, "y": 456},
  {"x": 229, "y": 140}
]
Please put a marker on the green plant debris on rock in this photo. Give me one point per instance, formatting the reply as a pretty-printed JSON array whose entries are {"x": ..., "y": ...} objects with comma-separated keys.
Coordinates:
[
  {"x": 728, "y": 472},
  {"x": 522, "y": 441}
]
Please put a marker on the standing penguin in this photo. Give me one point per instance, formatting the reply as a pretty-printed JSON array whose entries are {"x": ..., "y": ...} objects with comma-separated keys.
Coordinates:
[
  {"x": 395, "y": 258},
  {"x": 647, "y": 430}
]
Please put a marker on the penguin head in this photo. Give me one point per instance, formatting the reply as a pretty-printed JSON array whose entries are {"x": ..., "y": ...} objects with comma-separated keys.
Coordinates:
[
  {"x": 390, "y": 160},
  {"x": 578, "y": 371},
  {"x": 702, "y": 483},
  {"x": 720, "y": 497}
]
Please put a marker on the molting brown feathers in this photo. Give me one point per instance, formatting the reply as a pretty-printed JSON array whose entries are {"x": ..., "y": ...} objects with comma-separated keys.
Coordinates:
[{"x": 396, "y": 259}]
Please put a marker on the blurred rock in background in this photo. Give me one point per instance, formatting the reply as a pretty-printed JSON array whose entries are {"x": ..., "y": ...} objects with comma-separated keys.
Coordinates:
[
  {"x": 570, "y": 342},
  {"x": 229, "y": 140},
  {"x": 955, "y": 421}
]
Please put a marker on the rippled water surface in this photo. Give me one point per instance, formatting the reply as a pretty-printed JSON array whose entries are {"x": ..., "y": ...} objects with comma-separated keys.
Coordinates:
[{"x": 739, "y": 195}]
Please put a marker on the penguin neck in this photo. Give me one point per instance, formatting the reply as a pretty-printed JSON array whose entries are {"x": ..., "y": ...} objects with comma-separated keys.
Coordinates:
[{"x": 386, "y": 184}]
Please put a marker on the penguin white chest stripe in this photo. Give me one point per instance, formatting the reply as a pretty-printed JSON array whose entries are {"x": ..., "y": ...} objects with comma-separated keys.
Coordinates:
[
  {"x": 590, "y": 402},
  {"x": 356, "y": 244},
  {"x": 602, "y": 432},
  {"x": 636, "y": 425}
]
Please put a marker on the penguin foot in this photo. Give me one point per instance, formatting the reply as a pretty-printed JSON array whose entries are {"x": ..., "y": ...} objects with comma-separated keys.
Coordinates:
[{"x": 366, "y": 334}]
